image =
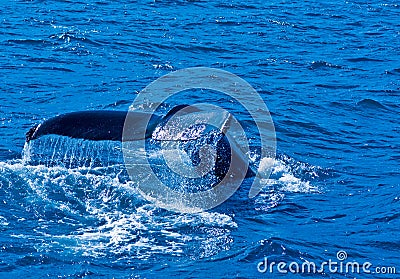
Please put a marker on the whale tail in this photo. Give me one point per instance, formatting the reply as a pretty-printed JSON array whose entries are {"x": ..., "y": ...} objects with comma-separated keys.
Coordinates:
[{"x": 110, "y": 125}]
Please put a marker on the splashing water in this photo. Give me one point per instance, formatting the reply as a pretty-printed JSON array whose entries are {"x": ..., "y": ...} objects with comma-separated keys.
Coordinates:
[{"x": 85, "y": 205}]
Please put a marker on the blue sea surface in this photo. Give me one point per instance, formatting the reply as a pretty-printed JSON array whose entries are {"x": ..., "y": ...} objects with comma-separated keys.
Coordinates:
[{"x": 329, "y": 72}]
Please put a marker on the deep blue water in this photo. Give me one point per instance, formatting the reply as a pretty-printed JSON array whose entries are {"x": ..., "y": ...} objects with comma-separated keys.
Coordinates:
[{"x": 329, "y": 73}]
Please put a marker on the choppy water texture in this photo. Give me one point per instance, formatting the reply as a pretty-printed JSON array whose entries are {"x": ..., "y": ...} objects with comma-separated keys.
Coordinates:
[{"x": 329, "y": 73}]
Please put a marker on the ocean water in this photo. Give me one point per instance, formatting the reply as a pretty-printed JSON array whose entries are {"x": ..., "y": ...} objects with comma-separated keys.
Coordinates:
[{"x": 329, "y": 73}]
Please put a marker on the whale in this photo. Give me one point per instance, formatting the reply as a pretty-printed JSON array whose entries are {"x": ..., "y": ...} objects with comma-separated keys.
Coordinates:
[
  {"x": 107, "y": 125},
  {"x": 99, "y": 125}
]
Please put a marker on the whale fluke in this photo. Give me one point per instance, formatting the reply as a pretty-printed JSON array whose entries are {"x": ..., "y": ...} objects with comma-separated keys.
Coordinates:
[
  {"x": 109, "y": 125},
  {"x": 93, "y": 125}
]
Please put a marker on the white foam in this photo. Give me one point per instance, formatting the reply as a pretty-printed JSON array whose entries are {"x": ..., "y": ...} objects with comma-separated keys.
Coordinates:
[
  {"x": 283, "y": 177},
  {"x": 141, "y": 230}
]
